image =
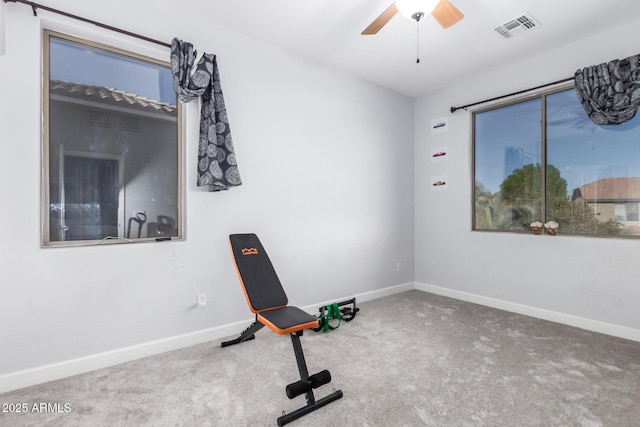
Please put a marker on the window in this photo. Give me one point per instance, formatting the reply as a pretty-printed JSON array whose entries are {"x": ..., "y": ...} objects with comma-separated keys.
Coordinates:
[
  {"x": 112, "y": 150},
  {"x": 543, "y": 159}
]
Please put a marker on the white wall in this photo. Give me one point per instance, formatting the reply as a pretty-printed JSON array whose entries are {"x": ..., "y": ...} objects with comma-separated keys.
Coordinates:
[
  {"x": 590, "y": 282},
  {"x": 326, "y": 161}
]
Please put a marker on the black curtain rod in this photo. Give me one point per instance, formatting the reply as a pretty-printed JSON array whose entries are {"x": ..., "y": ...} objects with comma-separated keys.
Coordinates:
[
  {"x": 464, "y": 107},
  {"x": 36, "y": 6}
]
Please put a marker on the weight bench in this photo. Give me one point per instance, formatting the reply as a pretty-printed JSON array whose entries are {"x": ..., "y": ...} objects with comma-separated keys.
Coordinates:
[{"x": 268, "y": 301}]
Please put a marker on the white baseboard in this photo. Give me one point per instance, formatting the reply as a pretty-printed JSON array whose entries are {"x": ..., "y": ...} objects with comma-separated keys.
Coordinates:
[
  {"x": 67, "y": 368},
  {"x": 365, "y": 296},
  {"x": 540, "y": 313},
  {"x": 55, "y": 371}
]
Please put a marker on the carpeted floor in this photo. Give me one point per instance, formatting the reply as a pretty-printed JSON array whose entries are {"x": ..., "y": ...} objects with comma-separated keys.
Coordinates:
[{"x": 410, "y": 359}]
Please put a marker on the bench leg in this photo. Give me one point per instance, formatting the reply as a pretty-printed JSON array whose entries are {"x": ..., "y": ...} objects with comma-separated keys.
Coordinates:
[
  {"x": 246, "y": 335},
  {"x": 306, "y": 385}
]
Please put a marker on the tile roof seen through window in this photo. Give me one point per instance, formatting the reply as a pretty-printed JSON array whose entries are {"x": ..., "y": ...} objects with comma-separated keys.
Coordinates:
[
  {"x": 610, "y": 189},
  {"x": 109, "y": 95}
]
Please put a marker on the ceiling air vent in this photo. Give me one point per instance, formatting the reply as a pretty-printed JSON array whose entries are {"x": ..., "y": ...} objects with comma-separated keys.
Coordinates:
[{"x": 517, "y": 25}]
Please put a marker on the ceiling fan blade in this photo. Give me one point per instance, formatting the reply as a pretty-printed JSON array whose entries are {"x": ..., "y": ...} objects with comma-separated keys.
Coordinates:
[
  {"x": 380, "y": 21},
  {"x": 446, "y": 14}
]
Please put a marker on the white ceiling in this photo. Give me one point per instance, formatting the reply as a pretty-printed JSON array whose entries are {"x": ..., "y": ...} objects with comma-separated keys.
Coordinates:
[{"x": 328, "y": 31}]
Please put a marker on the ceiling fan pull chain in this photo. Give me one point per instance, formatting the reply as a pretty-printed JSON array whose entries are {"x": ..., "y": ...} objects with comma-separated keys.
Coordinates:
[
  {"x": 417, "y": 41},
  {"x": 417, "y": 17}
]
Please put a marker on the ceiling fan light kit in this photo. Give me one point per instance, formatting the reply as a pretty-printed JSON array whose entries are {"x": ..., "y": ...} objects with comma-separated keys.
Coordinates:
[
  {"x": 416, "y": 9},
  {"x": 442, "y": 11}
]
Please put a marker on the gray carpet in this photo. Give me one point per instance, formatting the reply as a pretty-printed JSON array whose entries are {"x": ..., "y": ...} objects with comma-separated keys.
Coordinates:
[{"x": 410, "y": 359}]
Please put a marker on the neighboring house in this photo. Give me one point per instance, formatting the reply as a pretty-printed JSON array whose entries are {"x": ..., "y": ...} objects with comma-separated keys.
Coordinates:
[
  {"x": 615, "y": 199},
  {"x": 117, "y": 153}
]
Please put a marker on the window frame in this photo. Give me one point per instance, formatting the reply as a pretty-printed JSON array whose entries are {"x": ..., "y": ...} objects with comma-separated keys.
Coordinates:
[
  {"x": 543, "y": 152},
  {"x": 542, "y": 94},
  {"x": 131, "y": 52}
]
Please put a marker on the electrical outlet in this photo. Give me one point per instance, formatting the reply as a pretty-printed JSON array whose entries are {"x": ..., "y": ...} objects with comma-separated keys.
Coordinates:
[
  {"x": 398, "y": 266},
  {"x": 202, "y": 300}
]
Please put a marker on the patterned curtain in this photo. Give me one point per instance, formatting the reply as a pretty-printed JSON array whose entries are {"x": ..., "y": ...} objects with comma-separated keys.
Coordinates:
[
  {"x": 610, "y": 92},
  {"x": 217, "y": 167}
]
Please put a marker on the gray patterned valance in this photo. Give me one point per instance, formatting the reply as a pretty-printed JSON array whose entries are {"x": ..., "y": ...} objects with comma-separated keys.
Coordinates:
[
  {"x": 217, "y": 167},
  {"x": 610, "y": 92}
]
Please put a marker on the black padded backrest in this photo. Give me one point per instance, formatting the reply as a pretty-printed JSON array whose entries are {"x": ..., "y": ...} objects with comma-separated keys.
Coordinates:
[{"x": 262, "y": 287}]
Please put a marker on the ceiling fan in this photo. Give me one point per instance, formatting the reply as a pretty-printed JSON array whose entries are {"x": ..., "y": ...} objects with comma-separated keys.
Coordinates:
[{"x": 444, "y": 12}]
